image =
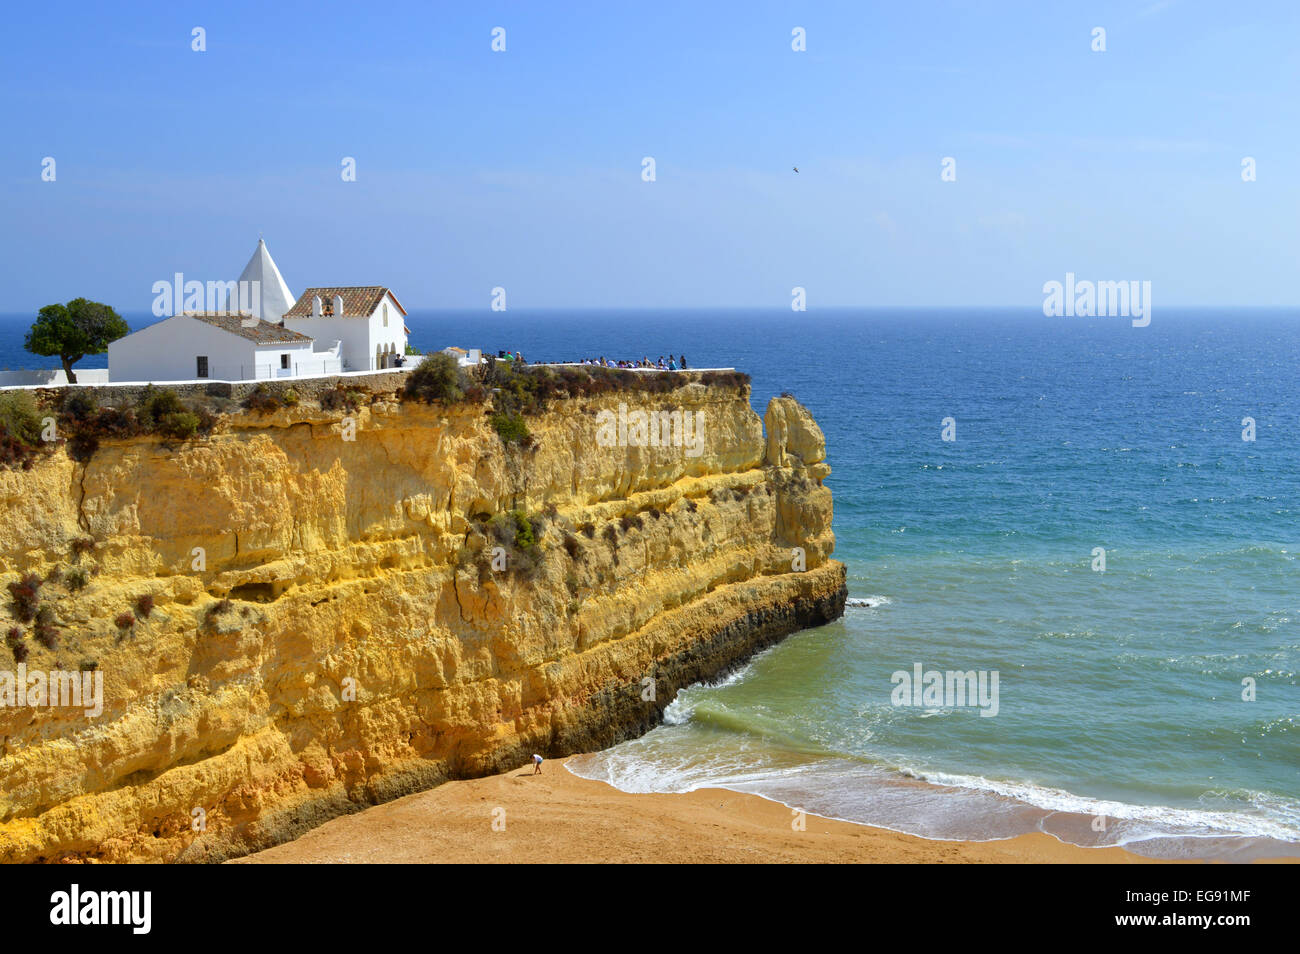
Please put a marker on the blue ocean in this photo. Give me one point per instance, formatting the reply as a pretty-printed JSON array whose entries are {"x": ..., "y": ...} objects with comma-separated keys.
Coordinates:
[{"x": 1153, "y": 703}]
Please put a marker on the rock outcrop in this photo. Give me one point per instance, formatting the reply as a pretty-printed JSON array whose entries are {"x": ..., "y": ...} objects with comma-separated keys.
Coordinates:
[{"x": 329, "y": 610}]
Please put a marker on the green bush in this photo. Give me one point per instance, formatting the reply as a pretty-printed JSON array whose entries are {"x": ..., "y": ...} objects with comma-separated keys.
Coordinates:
[
  {"x": 519, "y": 530},
  {"x": 163, "y": 412},
  {"x": 19, "y": 416},
  {"x": 76, "y": 580},
  {"x": 20, "y": 429},
  {"x": 155, "y": 404},
  {"x": 159, "y": 411},
  {"x": 511, "y": 429},
  {"x": 180, "y": 426},
  {"x": 438, "y": 379}
]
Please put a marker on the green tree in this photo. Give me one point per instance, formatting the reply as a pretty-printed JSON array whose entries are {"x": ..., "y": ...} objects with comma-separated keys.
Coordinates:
[{"x": 74, "y": 330}]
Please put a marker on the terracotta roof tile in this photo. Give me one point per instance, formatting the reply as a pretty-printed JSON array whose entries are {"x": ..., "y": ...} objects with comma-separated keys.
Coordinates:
[
  {"x": 261, "y": 333},
  {"x": 358, "y": 301}
]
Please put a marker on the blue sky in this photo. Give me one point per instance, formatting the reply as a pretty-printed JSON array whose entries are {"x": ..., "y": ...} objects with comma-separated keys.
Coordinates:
[{"x": 522, "y": 169}]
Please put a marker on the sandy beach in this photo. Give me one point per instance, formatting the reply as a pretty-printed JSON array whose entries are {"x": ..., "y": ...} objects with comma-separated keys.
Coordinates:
[{"x": 559, "y": 817}]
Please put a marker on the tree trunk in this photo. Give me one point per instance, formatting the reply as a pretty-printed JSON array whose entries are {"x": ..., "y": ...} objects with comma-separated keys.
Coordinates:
[{"x": 67, "y": 369}]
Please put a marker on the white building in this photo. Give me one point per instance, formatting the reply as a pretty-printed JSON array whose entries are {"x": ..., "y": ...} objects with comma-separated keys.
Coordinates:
[
  {"x": 466, "y": 359},
  {"x": 367, "y": 322},
  {"x": 355, "y": 329},
  {"x": 219, "y": 345}
]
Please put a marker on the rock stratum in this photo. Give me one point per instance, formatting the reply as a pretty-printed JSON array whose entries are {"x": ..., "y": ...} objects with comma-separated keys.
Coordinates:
[{"x": 347, "y": 607}]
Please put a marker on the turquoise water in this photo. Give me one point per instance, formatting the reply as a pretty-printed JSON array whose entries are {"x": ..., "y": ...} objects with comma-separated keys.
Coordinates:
[{"x": 1120, "y": 692}]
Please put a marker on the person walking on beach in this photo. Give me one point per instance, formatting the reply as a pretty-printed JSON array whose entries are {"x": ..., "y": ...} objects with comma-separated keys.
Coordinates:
[{"x": 537, "y": 765}]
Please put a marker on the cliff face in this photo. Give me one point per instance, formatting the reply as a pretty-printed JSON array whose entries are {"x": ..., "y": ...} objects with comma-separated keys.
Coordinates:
[{"x": 346, "y": 609}]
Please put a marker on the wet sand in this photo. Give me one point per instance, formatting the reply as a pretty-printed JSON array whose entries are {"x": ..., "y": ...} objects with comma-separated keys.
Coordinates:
[{"x": 558, "y": 817}]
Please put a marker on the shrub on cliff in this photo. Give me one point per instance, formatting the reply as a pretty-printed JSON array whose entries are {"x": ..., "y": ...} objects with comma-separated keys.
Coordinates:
[
  {"x": 511, "y": 429},
  {"x": 20, "y": 429},
  {"x": 80, "y": 406},
  {"x": 75, "y": 580},
  {"x": 104, "y": 422},
  {"x": 159, "y": 411},
  {"x": 220, "y": 608},
  {"x": 124, "y": 621},
  {"x": 14, "y": 640},
  {"x": 162, "y": 412},
  {"x": 44, "y": 630},
  {"x": 180, "y": 426},
  {"x": 438, "y": 379},
  {"x": 518, "y": 530},
  {"x": 521, "y": 534},
  {"x": 26, "y": 594},
  {"x": 82, "y": 447},
  {"x": 144, "y": 605},
  {"x": 263, "y": 400},
  {"x": 155, "y": 404},
  {"x": 731, "y": 379},
  {"x": 340, "y": 398}
]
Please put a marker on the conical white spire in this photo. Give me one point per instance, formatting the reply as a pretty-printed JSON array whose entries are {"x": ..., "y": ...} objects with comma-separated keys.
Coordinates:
[{"x": 275, "y": 295}]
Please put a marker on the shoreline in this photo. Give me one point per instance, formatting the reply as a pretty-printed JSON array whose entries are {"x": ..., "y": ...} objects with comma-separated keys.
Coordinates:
[{"x": 560, "y": 817}]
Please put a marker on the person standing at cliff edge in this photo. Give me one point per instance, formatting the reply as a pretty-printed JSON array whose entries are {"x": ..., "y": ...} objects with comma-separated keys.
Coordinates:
[{"x": 537, "y": 765}]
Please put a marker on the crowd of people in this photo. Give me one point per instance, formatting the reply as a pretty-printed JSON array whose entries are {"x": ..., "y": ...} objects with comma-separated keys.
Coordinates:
[{"x": 673, "y": 363}]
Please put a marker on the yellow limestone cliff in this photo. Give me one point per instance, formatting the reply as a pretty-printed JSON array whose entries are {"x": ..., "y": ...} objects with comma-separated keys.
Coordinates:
[{"x": 342, "y": 608}]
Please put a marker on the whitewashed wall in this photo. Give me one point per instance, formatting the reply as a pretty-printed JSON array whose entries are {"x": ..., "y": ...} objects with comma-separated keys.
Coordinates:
[
  {"x": 166, "y": 351},
  {"x": 51, "y": 378},
  {"x": 359, "y": 336}
]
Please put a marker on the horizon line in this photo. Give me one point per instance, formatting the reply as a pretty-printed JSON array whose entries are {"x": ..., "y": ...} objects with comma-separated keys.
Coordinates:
[{"x": 772, "y": 308}]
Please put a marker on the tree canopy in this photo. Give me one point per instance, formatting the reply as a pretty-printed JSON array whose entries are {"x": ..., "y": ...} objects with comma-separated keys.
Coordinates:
[{"x": 74, "y": 330}]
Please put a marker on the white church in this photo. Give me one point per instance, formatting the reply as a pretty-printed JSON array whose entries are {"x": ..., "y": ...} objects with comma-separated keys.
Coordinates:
[{"x": 268, "y": 333}]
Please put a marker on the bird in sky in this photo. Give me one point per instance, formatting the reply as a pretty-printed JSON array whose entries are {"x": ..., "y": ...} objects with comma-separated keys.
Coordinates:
[{"x": 796, "y": 168}]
